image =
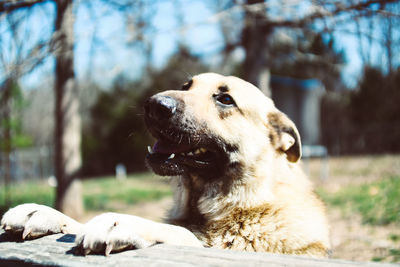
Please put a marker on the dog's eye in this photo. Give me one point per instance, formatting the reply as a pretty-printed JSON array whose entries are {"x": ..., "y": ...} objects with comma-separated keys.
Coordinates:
[
  {"x": 187, "y": 85},
  {"x": 225, "y": 99}
]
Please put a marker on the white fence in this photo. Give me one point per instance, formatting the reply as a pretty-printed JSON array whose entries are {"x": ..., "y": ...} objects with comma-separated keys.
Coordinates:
[{"x": 26, "y": 164}]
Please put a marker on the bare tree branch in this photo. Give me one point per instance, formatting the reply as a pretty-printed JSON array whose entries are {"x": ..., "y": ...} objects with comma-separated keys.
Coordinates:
[
  {"x": 11, "y": 5},
  {"x": 23, "y": 56},
  {"x": 318, "y": 13}
]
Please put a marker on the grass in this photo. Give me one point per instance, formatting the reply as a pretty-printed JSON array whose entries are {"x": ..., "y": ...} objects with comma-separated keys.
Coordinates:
[
  {"x": 367, "y": 185},
  {"x": 394, "y": 237},
  {"x": 109, "y": 193},
  {"x": 377, "y": 202},
  {"x": 27, "y": 192},
  {"x": 105, "y": 193},
  {"x": 394, "y": 255}
]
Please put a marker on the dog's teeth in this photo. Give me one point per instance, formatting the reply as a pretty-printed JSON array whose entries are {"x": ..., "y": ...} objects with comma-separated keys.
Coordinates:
[
  {"x": 203, "y": 150},
  {"x": 150, "y": 149},
  {"x": 171, "y": 156},
  {"x": 197, "y": 151},
  {"x": 190, "y": 153}
]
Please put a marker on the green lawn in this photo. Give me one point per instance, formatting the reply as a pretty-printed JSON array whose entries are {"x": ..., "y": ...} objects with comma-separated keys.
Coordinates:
[
  {"x": 368, "y": 186},
  {"x": 104, "y": 193},
  {"x": 378, "y": 202},
  {"x": 27, "y": 192}
]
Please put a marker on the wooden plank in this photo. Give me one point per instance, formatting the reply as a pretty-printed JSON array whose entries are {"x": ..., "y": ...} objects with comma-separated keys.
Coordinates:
[{"x": 57, "y": 250}]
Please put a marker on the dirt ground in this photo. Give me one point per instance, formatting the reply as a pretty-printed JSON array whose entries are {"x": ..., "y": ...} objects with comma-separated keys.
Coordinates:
[
  {"x": 350, "y": 239},
  {"x": 353, "y": 240}
]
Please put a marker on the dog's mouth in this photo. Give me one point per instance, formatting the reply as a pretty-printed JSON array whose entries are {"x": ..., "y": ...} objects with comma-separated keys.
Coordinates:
[
  {"x": 184, "y": 145},
  {"x": 185, "y": 154},
  {"x": 167, "y": 157}
]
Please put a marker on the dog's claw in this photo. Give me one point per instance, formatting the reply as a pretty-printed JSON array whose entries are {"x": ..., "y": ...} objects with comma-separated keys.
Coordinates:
[
  {"x": 85, "y": 251},
  {"x": 108, "y": 250},
  {"x": 26, "y": 233}
]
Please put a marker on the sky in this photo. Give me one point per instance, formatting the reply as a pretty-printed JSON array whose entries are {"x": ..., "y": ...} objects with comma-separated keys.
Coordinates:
[{"x": 113, "y": 57}]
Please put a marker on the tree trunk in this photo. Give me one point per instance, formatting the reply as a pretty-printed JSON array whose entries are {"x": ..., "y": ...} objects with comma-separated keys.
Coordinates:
[
  {"x": 68, "y": 124},
  {"x": 389, "y": 44},
  {"x": 254, "y": 41},
  {"x": 5, "y": 119}
]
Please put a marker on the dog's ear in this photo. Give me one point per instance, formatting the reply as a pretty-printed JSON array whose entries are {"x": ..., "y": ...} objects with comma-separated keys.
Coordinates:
[{"x": 284, "y": 135}]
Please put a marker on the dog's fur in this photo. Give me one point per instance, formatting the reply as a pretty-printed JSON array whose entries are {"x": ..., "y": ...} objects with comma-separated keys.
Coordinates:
[
  {"x": 251, "y": 193},
  {"x": 261, "y": 201}
]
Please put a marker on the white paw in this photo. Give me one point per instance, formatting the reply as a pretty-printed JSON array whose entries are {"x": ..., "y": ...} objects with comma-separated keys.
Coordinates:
[
  {"x": 33, "y": 220},
  {"x": 112, "y": 232}
]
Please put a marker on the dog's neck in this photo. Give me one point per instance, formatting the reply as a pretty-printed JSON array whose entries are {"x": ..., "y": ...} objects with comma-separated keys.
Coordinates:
[
  {"x": 187, "y": 192},
  {"x": 198, "y": 199}
]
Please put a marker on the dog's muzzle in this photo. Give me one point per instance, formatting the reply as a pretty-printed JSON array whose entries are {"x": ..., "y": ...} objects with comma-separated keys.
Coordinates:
[{"x": 180, "y": 146}]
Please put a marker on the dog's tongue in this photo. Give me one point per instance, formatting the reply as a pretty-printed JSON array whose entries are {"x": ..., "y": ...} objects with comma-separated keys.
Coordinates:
[{"x": 169, "y": 148}]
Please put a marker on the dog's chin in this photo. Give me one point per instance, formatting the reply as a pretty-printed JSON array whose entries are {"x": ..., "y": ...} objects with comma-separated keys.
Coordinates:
[
  {"x": 163, "y": 166},
  {"x": 169, "y": 159}
]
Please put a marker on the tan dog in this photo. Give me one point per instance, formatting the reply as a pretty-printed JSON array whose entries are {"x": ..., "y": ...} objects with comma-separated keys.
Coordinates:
[{"x": 236, "y": 181}]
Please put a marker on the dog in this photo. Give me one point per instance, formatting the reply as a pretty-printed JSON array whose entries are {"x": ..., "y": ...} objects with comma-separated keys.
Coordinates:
[{"x": 233, "y": 158}]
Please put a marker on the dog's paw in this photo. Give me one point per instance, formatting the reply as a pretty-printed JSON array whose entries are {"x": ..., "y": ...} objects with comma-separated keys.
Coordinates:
[
  {"x": 33, "y": 220},
  {"x": 112, "y": 232}
]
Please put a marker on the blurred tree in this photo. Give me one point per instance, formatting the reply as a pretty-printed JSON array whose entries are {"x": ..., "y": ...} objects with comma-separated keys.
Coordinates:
[
  {"x": 261, "y": 20},
  {"x": 22, "y": 58},
  {"x": 254, "y": 39},
  {"x": 67, "y": 134},
  {"x": 336, "y": 126},
  {"x": 378, "y": 32},
  {"x": 374, "y": 109},
  {"x": 391, "y": 34},
  {"x": 304, "y": 48},
  {"x": 315, "y": 58},
  {"x": 67, "y": 117},
  {"x": 11, "y": 136},
  {"x": 68, "y": 124},
  {"x": 116, "y": 133},
  {"x": 364, "y": 120},
  {"x": 180, "y": 67}
]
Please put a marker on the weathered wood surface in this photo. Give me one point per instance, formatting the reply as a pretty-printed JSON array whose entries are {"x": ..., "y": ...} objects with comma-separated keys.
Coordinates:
[{"x": 57, "y": 250}]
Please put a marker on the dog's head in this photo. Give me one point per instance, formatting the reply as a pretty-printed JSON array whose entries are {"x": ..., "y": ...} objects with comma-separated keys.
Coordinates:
[{"x": 216, "y": 126}]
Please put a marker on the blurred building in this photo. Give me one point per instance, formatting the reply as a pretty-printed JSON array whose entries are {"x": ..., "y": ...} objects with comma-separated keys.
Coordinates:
[{"x": 300, "y": 100}]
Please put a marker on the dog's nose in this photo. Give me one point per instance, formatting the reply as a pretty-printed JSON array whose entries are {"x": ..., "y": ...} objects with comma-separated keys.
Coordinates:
[{"x": 160, "y": 108}]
